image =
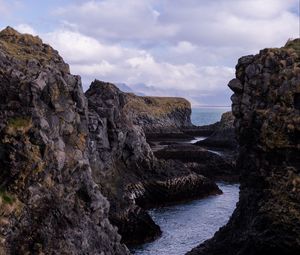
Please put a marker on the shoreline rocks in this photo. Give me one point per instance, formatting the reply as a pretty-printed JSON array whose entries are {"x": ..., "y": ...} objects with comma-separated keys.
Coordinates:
[
  {"x": 224, "y": 135},
  {"x": 49, "y": 201},
  {"x": 121, "y": 158},
  {"x": 266, "y": 109}
]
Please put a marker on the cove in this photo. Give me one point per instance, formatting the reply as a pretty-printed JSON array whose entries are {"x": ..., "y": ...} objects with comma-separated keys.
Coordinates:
[{"x": 185, "y": 226}]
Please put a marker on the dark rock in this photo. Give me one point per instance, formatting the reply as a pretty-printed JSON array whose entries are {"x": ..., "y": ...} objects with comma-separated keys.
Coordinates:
[
  {"x": 205, "y": 130},
  {"x": 125, "y": 168},
  {"x": 224, "y": 135},
  {"x": 202, "y": 161},
  {"x": 267, "y": 217},
  {"x": 49, "y": 202}
]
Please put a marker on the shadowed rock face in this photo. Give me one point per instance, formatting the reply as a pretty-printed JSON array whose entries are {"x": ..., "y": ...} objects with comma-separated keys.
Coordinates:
[
  {"x": 126, "y": 170},
  {"x": 266, "y": 107},
  {"x": 49, "y": 203},
  {"x": 224, "y": 136}
]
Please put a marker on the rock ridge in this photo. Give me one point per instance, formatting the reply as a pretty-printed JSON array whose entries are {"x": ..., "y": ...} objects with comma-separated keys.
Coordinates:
[{"x": 265, "y": 104}]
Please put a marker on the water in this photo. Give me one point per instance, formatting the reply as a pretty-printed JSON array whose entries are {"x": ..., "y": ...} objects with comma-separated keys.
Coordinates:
[
  {"x": 187, "y": 225},
  {"x": 206, "y": 116}
]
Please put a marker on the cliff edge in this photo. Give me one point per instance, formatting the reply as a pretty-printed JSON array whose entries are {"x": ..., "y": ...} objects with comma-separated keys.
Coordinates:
[
  {"x": 266, "y": 106},
  {"x": 49, "y": 203},
  {"x": 159, "y": 115}
]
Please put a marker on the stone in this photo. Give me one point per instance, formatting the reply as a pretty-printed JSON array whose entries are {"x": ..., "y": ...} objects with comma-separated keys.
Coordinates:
[
  {"x": 45, "y": 178},
  {"x": 267, "y": 217}
]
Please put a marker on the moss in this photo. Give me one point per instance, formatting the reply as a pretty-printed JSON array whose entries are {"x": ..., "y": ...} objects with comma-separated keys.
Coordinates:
[
  {"x": 6, "y": 198},
  {"x": 19, "y": 124},
  {"x": 24, "y": 46},
  {"x": 155, "y": 106},
  {"x": 294, "y": 44}
]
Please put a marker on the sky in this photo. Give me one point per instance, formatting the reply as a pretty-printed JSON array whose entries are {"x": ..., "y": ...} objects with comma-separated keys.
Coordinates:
[{"x": 186, "y": 48}]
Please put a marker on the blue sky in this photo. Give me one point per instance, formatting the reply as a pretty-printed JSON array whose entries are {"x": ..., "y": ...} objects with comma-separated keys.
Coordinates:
[{"x": 176, "y": 47}]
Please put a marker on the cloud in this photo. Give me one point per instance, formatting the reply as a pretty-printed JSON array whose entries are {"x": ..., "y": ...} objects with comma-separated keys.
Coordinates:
[
  {"x": 182, "y": 47},
  {"x": 116, "y": 63},
  {"x": 219, "y": 23},
  {"x": 116, "y": 20},
  {"x": 25, "y": 28}
]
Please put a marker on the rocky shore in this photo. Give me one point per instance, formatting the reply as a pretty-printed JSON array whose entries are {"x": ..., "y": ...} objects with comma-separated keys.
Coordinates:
[
  {"x": 266, "y": 109},
  {"x": 78, "y": 172},
  {"x": 74, "y": 165}
]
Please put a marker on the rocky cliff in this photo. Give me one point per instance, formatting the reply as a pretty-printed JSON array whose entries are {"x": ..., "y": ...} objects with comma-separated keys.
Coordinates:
[
  {"x": 49, "y": 202},
  {"x": 223, "y": 136},
  {"x": 126, "y": 170},
  {"x": 266, "y": 105},
  {"x": 159, "y": 115},
  {"x": 62, "y": 151}
]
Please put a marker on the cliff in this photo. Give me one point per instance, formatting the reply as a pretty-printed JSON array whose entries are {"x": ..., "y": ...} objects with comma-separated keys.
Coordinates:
[
  {"x": 62, "y": 151},
  {"x": 158, "y": 115},
  {"x": 49, "y": 201},
  {"x": 126, "y": 170},
  {"x": 266, "y": 106},
  {"x": 223, "y": 136}
]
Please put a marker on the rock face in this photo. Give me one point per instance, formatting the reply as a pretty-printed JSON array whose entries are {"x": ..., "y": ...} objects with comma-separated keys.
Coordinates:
[
  {"x": 224, "y": 135},
  {"x": 159, "y": 115},
  {"x": 125, "y": 168},
  {"x": 201, "y": 161},
  {"x": 266, "y": 105},
  {"x": 49, "y": 202}
]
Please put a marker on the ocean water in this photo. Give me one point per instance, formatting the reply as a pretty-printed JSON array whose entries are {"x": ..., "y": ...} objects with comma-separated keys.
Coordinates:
[
  {"x": 209, "y": 115},
  {"x": 185, "y": 226}
]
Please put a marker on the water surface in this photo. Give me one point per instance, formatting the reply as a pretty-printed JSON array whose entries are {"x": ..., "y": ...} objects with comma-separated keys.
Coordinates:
[
  {"x": 185, "y": 226},
  {"x": 207, "y": 115}
]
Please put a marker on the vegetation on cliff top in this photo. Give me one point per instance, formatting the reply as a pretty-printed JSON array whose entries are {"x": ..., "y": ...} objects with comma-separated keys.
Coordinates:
[
  {"x": 24, "y": 46},
  {"x": 155, "y": 106},
  {"x": 294, "y": 44}
]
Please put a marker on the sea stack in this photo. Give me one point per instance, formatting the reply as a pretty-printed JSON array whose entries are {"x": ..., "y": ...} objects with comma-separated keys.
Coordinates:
[{"x": 266, "y": 106}]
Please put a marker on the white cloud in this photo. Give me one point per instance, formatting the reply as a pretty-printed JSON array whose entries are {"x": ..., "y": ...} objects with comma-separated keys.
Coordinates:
[
  {"x": 184, "y": 47},
  {"x": 250, "y": 23},
  {"x": 116, "y": 63},
  {"x": 131, "y": 19},
  {"x": 25, "y": 28}
]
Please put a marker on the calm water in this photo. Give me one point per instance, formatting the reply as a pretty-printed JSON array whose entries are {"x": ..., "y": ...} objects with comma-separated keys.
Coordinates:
[
  {"x": 205, "y": 116},
  {"x": 186, "y": 225}
]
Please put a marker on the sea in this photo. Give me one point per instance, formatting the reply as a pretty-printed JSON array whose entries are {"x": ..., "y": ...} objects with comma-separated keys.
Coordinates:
[
  {"x": 207, "y": 115},
  {"x": 186, "y": 225}
]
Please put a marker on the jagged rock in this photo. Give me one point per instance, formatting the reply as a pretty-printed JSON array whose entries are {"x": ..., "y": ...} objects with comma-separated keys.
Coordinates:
[
  {"x": 159, "y": 116},
  {"x": 126, "y": 170},
  {"x": 201, "y": 161},
  {"x": 267, "y": 217},
  {"x": 49, "y": 201},
  {"x": 224, "y": 135}
]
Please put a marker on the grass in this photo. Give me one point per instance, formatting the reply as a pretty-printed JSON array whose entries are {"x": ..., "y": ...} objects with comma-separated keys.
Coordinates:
[
  {"x": 155, "y": 106},
  {"x": 294, "y": 44},
  {"x": 22, "y": 46},
  {"x": 6, "y": 198},
  {"x": 19, "y": 124}
]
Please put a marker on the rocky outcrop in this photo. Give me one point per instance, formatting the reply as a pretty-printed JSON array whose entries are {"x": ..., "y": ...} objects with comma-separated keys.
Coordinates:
[
  {"x": 223, "y": 136},
  {"x": 125, "y": 168},
  {"x": 49, "y": 202},
  {"x": 159, "y": 115},
  {"x": 201, "y": 161},
  {"x": 266, "y": 107}
]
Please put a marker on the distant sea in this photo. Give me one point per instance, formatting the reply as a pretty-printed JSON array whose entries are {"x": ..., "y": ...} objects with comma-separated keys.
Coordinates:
[{"x": 207, "y": 115}]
